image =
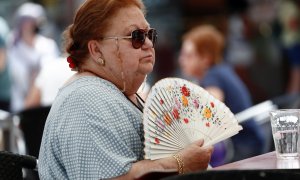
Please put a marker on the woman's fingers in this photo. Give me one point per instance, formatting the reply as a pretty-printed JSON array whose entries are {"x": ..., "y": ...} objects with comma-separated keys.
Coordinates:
[{"x": 200, "y": 143}]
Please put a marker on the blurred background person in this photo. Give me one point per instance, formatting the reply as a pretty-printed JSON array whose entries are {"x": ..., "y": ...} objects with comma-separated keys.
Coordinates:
[
  {"x": 48, "y": 82},
  {"x": 4, "y": 78},
  {"x": 290, "y": 37},
  {"x": 4, "y": 28},
  {"x": 28, "y": 51},
  {"x": 201, "y": 58},
  {"x": 4, "y": 74}
]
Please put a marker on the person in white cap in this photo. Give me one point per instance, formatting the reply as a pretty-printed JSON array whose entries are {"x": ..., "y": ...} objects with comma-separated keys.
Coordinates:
[{"x": 27, "y": 51}]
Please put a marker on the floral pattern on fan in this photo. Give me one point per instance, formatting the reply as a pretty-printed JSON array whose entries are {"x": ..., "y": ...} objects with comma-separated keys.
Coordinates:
[{"x": 178, "y": 112}]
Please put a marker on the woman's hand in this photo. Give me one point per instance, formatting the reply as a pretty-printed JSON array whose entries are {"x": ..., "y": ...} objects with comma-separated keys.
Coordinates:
[{"x": 195, "y": 157}]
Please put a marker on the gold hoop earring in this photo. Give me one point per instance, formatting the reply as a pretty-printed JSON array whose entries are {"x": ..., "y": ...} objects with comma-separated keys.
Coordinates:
[{"x": 101, "y": 61}]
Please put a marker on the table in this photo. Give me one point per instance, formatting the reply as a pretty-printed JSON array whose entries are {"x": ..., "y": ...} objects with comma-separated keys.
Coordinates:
[{"x": 265, "y": 161}]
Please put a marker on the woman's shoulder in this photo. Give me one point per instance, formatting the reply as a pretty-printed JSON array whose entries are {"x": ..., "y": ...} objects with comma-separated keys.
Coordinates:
[
  {"x": 92, "y": 90},
  {"x": 86, "y": 96}
]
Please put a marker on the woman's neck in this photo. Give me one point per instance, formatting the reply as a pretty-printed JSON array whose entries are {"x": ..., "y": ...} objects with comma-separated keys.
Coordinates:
[{"x": 131, "y": 85}]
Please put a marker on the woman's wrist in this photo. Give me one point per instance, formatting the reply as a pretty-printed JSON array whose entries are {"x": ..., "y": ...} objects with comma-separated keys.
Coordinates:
[
  {"x": 179, "y": 163},
  {"x": 169, "y": 163}
]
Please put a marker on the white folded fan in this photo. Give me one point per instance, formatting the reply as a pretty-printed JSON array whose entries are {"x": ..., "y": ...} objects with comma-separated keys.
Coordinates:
[{"x": 178, "y": 112}]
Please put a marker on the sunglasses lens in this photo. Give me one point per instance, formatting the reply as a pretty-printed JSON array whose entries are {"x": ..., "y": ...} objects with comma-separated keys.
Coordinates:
[{"x": 138, "y": 38}]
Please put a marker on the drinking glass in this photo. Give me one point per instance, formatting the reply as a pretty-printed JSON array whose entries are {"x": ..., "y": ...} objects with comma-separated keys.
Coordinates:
[{"x": 285, "y": 129}]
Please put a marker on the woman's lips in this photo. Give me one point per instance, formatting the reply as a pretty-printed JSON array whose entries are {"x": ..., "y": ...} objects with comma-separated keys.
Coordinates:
[{"x": 147, "y": 58}]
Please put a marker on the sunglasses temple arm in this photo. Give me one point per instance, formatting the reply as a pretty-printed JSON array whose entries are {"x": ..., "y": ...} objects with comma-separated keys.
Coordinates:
[{"x": 118, "y": 37}]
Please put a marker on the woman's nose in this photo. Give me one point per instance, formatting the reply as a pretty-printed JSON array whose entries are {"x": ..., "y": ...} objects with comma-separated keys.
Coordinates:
[{"x": 148, "y": 44}]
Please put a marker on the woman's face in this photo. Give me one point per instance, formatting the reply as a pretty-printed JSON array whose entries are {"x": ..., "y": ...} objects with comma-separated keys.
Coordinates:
[
  {"x": 191, "y": 63},
  {"x": 28, "y": 26},
  {"x": 136, "y": 63}
]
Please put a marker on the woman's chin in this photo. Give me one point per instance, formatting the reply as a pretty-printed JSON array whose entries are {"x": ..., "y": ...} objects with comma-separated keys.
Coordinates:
[{"x": 146, "y": 69}]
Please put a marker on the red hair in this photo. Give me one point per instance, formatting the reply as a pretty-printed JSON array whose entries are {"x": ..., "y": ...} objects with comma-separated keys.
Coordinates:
[
  {"x": 208, "y": 41},
  {"x": 91, "y": 22}
]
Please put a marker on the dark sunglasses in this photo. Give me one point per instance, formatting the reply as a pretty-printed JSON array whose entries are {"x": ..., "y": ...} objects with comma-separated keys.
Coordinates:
[{"x": 138, "y": 37}]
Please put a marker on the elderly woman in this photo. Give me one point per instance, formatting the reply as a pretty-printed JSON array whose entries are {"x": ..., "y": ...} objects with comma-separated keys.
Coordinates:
[{"x": 94, "y": 129}]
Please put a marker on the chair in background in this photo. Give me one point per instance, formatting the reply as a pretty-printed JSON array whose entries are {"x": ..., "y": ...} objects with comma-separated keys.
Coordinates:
[
  {"x": 12, "y": 164},
  {"x": 12, "y": 139}
]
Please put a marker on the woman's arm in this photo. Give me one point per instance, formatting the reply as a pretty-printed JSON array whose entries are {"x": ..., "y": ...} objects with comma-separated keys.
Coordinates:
[
  {"x": 145, "y": 166},
  {"x": 33, "y": 98},
  {"x": 194, "y": 157}
]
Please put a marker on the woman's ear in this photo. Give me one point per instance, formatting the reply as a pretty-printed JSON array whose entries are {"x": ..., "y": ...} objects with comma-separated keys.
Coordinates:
[{"x": 94, "y": 49}]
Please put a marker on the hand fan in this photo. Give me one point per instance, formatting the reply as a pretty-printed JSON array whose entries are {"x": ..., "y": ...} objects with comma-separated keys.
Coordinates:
[{"x": 178, "y": 112}]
